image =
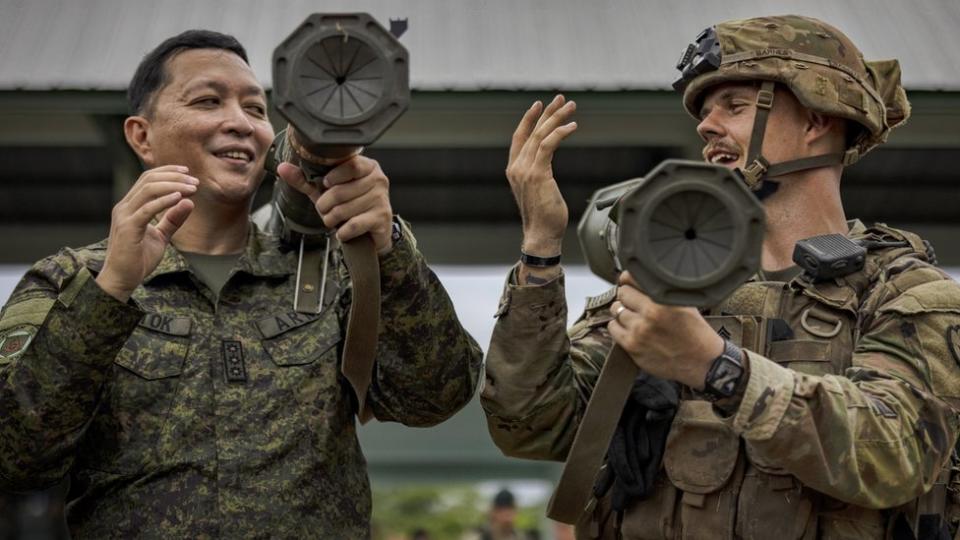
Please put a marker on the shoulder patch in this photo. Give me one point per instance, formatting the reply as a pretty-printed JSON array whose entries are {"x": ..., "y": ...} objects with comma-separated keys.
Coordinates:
[
  {"x": 953, "y": 342},
  {"x": 15, "y": 340}
]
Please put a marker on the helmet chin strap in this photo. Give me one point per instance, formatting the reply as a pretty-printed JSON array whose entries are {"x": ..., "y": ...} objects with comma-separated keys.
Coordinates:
[{"x": 758, "y": 171}]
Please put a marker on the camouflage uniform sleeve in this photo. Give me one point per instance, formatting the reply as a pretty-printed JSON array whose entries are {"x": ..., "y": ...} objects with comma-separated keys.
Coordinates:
[
  {"x": 60, "y": 333},
  {"x": 427, "y": 364},
  {"x": 878, "y": 436},
  {"x": 539, "y": 377}
]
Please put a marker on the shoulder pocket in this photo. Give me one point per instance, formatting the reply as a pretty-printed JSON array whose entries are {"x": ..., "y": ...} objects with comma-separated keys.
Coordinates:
[{"x": 941, "y": 296}]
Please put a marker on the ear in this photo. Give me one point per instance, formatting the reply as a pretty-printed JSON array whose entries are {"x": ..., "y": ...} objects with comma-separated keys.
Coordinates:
[
  {"x": 818, "y": 126},
  {"x": 136, "y": 129}
]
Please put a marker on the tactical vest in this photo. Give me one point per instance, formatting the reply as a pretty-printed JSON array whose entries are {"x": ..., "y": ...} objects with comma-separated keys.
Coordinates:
[{"x": 726, "y": 492}]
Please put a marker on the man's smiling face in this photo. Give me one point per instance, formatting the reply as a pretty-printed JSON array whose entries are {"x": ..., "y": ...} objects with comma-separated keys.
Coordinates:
[
  {"x": 726, "y": 124},
  {"x": 211, "y": 116}
]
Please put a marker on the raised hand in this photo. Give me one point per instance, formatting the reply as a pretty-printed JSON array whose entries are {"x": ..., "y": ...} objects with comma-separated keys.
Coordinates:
[
  {"x": 136, "y": 245},
  {"x": 530, "y": 172}
]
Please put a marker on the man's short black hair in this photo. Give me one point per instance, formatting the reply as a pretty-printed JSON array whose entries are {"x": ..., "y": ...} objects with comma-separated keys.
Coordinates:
[{"x": 151, "y": 74}]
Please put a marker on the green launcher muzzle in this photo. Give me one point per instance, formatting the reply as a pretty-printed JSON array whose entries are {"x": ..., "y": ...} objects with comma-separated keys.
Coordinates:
[
  {"x": 689, "y": 232},
  {"x": 340, "y": 80}
]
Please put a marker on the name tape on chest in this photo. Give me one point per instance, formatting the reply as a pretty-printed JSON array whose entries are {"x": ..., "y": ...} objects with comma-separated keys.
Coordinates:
[
  {"x": 277, "y": 324},
  {"x": 167, "y": 324}
]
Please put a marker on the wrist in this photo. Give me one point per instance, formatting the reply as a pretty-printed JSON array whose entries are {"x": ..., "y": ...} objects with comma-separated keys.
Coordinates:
[
  {"x": 110, "y": 287},
  {"x": 528, "y": 276},
  {"x": 542, "y": 246}
]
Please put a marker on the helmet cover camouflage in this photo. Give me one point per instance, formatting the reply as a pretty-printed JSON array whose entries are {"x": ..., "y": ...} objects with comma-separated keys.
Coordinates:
[{"x": 817, "y": 62}]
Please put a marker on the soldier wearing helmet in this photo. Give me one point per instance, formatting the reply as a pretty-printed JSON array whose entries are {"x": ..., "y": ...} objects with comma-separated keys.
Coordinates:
[{"x": 800, "y": 406}]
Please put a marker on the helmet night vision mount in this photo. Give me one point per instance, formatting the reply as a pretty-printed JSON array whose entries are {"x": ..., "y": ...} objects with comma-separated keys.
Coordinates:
[{"x": 689, "y": 233}]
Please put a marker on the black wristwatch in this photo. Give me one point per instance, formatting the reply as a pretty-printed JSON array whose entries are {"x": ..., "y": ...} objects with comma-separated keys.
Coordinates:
[
  {"x": 725, "y": 373},
  {"x": 396, "y": 231}
]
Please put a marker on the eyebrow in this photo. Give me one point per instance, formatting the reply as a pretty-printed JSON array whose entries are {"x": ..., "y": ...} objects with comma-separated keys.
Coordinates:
[{"x": 250, "y": 90}]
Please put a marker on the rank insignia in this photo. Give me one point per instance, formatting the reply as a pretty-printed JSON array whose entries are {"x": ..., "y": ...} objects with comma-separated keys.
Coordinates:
[{"x": 15, "y": 341}]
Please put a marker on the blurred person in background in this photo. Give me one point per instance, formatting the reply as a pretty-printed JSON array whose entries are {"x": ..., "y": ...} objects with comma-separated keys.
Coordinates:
[
  {"x": 501, "y": 519},
  {"x": 163, "y": 370}
]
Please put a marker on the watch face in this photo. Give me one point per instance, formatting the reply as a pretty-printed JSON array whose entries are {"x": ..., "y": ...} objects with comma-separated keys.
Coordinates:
[
  {"x": 724, "y": 376},
  {"x": 397, "y": 233}
]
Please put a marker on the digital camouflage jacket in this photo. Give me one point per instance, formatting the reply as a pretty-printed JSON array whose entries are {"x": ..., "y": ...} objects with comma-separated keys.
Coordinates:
[
  {"x": 183, "y": 415},
  {"x": 848, "y": 417}
]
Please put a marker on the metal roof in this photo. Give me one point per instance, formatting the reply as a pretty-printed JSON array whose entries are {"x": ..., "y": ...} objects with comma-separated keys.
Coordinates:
[{"x": 461, "y": 45}]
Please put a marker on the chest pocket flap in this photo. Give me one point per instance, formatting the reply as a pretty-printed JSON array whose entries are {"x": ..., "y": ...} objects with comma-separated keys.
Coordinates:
[
  {"x": 157, "y": 348},
  {"x": 702, "y": 450},
  {"x": 292, "y": 339}
]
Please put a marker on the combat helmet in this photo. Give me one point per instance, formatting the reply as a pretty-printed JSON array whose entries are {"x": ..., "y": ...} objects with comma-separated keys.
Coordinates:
[{"x": 817, "y": 62}]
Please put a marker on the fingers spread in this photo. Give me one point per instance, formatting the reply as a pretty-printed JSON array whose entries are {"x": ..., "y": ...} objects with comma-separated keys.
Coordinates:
[
  {"x": 523, "y": 131},
  {"x": 557, "y": 102},
  {"x": 546, "y": 126},
  {"x": 556, "y": 119},
  {"x": 549, "y": 145}
]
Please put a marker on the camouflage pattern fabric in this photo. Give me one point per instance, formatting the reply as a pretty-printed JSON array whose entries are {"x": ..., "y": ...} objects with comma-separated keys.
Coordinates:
[
  {"x": 819, "y": 64},
  {"x": 852, "y": 411},
  {"x": 180, "y": 416}
]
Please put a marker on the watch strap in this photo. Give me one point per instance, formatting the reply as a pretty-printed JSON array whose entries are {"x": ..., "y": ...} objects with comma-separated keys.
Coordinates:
[
  {"x": 539, "y": 262},
  {"x": 725, "y": 372}
]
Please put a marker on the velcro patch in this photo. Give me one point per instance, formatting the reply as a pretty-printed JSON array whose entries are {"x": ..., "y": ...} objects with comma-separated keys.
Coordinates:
[
  {"x": 593, "y": 302},
  {"x": 14, "y": 341},
  {"x": 277, "y": 324},
  {"x": 174, "y": 326}
]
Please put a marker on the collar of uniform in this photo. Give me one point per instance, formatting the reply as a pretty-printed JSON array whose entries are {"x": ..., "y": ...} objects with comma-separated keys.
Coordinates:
[
  {"x": 855, "y": 227},
  {"x": 261, "y": 257},
  {"x": 171, "y": 262}
]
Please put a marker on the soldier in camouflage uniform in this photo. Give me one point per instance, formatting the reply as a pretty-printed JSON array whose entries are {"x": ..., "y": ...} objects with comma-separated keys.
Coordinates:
[
  {"x": 843, "y": 419},
  {"x": 183, "y": 405}
]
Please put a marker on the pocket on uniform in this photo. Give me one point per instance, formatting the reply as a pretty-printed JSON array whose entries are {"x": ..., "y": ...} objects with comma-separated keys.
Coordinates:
[
  {"x": 803, "y": 355},
  {"x": 293, "y": 339},
  {"x": 135, "y": 403},
  {"x": 774, "y": 506},
  {"x": 701, "y": 460}
]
